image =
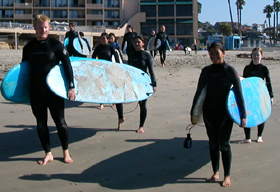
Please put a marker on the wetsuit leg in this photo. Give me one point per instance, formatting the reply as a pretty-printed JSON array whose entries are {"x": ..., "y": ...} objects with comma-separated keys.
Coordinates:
[
  {"x": 161, "y": 56},
  {"x": 39, "y": 109},
  {"x": 143, "y": 112},
  {"x": 56, "y": 107},
  {"x": 247, "y": 132},
  {"x": 119, "y": 107},
  {"x": 260, "y": 129},
  {"x": 219, "y": 131}
]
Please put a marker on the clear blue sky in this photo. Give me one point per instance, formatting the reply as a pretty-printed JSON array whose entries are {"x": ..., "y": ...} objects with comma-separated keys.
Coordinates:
[{"x": 217, "y": 11}]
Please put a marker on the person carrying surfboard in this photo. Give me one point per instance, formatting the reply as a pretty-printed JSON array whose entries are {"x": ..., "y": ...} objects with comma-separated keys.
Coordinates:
[
  {"x": 257, "y": 69},
  {"x": 43, "y": 53},
  {"x": 144, "y": 61},
  {"x": 106, "y": 51},
  {"x": 128, "y": 42},
  {"x": 218, "y": 79},
  {"x": 71, "y": 35},
  {"x": 163, "y": 37},
  {"x": 153, "y": 52},
  {"x": 113, "y": 43}
]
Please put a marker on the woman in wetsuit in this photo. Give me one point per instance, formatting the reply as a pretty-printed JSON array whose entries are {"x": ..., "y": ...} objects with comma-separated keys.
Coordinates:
[
  {"x": 142, "y": 60},
  {"x": 106, "y": 51},
  {"x": 218, "y": 79},
  {"x": 257, "y": 69},
  {"x": 43, "y": 53}
]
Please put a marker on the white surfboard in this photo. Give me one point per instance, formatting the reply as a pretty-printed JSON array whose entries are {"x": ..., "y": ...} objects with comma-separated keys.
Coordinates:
[{"x": 78, "y": 47}]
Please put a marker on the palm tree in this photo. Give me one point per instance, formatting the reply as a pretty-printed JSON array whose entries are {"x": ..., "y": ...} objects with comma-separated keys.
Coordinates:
[
  {"x": 268, "y": 10},
  {"x": 239, "y": 5},
  {"x": 229, "y": 6},
  {"x": 276, "y": 9}
]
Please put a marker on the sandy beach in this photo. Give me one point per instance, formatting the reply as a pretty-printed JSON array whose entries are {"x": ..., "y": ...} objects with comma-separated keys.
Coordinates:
[{"x": 109, "y": 160}]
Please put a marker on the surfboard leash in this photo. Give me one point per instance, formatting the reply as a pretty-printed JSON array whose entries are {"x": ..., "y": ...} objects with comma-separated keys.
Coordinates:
[
  {"x": 188, "y": 140},
  {"x": 113, "y": 108}
]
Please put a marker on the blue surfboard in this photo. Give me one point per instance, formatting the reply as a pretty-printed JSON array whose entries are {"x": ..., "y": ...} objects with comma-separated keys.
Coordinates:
[
  {"x": 16, "y": 83},
  {"x": 257, "y": 102},
  {"x": 100, "y": 81},
  {"x": 66, "y": 42}
]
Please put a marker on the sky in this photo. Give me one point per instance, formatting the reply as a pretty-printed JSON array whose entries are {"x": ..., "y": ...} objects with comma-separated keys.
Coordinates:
[{"x": 218, "y": 11}]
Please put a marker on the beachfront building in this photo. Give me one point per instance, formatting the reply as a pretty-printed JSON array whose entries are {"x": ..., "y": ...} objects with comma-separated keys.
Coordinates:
[{"x": 179, "y": 16}]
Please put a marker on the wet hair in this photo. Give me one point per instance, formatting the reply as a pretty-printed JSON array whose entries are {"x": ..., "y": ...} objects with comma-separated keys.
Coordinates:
[
  {"x": 105, "y": 34},
  {"x": 72, "y": 24},
  {"x": 81, "y": 34},
  {"x": 139, "y": 37},
  {"x": 129, "y": 26},
  {"x": 218, "y": 45},
  {"x": 41, "y": 18},
  {"x": 256, "y": 49}
]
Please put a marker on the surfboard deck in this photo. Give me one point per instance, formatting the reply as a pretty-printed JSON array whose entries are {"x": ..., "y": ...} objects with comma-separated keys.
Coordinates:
[
  {"x": 114, "y": 59},
  {"x": 100, "y": 81},
  {"x": 151, "y": 44},
  {"x": 78, "y": 47},
  {"x": 257, "y": 102},
  {"x": 16, "y": 83},
  {"x": 66, "y": 42},
  {"x": 197, "y": 116}
]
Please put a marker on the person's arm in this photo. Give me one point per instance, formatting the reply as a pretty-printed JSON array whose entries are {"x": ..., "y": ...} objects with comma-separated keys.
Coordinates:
[
  {"x": 268, "y": 81},
  {"x": 150, "y": 65},
  {"x": 95, "y": 52}
]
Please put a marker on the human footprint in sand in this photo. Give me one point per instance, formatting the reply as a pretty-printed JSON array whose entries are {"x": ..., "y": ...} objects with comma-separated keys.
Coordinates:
[
  {"x": 43, "y": 53},
  {"x": 218, "y": 78}
]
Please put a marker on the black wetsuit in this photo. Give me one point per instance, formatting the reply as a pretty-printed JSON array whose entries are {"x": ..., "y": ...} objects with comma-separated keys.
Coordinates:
[
  {"x": 218, "y": 78},
  {"x": 106, "y": 52},
  {"x": 143, "y": 60},
  {"x": 261, "y": 71},
  {"x": 128, "y": 38},
  {"x": 163, "y": 37},
  {"x": 43, "y": 55},
  {"x": 70, "y": 48}
]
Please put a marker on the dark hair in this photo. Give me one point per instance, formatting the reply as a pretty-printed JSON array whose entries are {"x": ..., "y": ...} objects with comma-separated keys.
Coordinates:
[
  {"x": 112, "y": 34},
  {"x": 139, "y": 37},
  {"x": 216, "y": 44},
  {"x": 71, "y": 24},
  {"x": 81, "y": 34},
  {"x": 105, "y": 34},
  {"x": 130, "y": 26}
]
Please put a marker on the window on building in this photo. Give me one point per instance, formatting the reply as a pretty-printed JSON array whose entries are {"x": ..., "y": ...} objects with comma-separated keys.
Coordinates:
[
  {"x": 44, "y": 3},
  {"x": 97, "y": 1},
  {"x": 111, "y": 14},
  {"x": 166, "y": 11},
  {"x": 97, "y": 23},
  {"x": 97, "y": 12},
  {"x": 111, "y": 23},
  {"x": 184, "y": 29},
  {"x": 150, "y": 10},
  {"x": 45, "y": 12},
  {"x": 73, "y": 14},
  {"x": 59, "y": 3},
  {"x": 184, "y": 10},
  {"x": 148, "y": 26},
  {"x": 6, "y": 3},
  {"x": 111, "y": 3},
  {"x": 59, "y": 14},
  {"x": 20, "y": 12}
]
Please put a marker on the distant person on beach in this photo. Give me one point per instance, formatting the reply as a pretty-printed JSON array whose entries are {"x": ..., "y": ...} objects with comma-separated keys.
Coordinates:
[
  {"x": 82, "y": 35},
  {"x": 218, "y": 79},
  {"x": 43, "y": 53},
  {"x": 105, "y": 51},
  {"x": 144, "y": 61},
  {"x": 154, "y": 52},
  {"x": 163, "y": 37},
  {"x": 71, "y": 35},
  {"x": 127, "y": 40},
  {"x": 257, "y": 69}
]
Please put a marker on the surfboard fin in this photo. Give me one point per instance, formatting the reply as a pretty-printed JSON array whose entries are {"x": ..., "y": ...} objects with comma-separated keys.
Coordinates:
[{"x": 149, "y": 93}]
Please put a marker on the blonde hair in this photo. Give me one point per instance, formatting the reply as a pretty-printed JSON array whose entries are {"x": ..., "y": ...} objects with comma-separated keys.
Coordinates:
[{"x": 41, "y": 18}]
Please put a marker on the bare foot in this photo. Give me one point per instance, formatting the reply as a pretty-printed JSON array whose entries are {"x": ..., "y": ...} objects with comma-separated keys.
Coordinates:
[
  {"x": 66, "y": 157},
  {"x": 140, "y": 130},
  {"x": 214, "y": 177},
  {"x": 100, "y": 107},
  {"x": 120, "y": 123},
  {"x": 226, "y": 182},
  {"x": 47, "y": 158}
]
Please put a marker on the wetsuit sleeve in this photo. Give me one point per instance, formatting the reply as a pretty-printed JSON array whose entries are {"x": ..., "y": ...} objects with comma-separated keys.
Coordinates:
[
  {"x": 66, "y": 35},
  {"x": 245, "y": 71},
  {"x": 63, "y": 56},
  {"x": 200, "y": 85},
  {"x": 234, "y": 77},
  {"x": 156, "y": 40},
  {"x": 124, "y": 39},
  {"x": 95, "y": 52},
  {"x": 150, "y": 66},
  {"x": 268, "y": 81},
  {"x": 24, "y": 54}
]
